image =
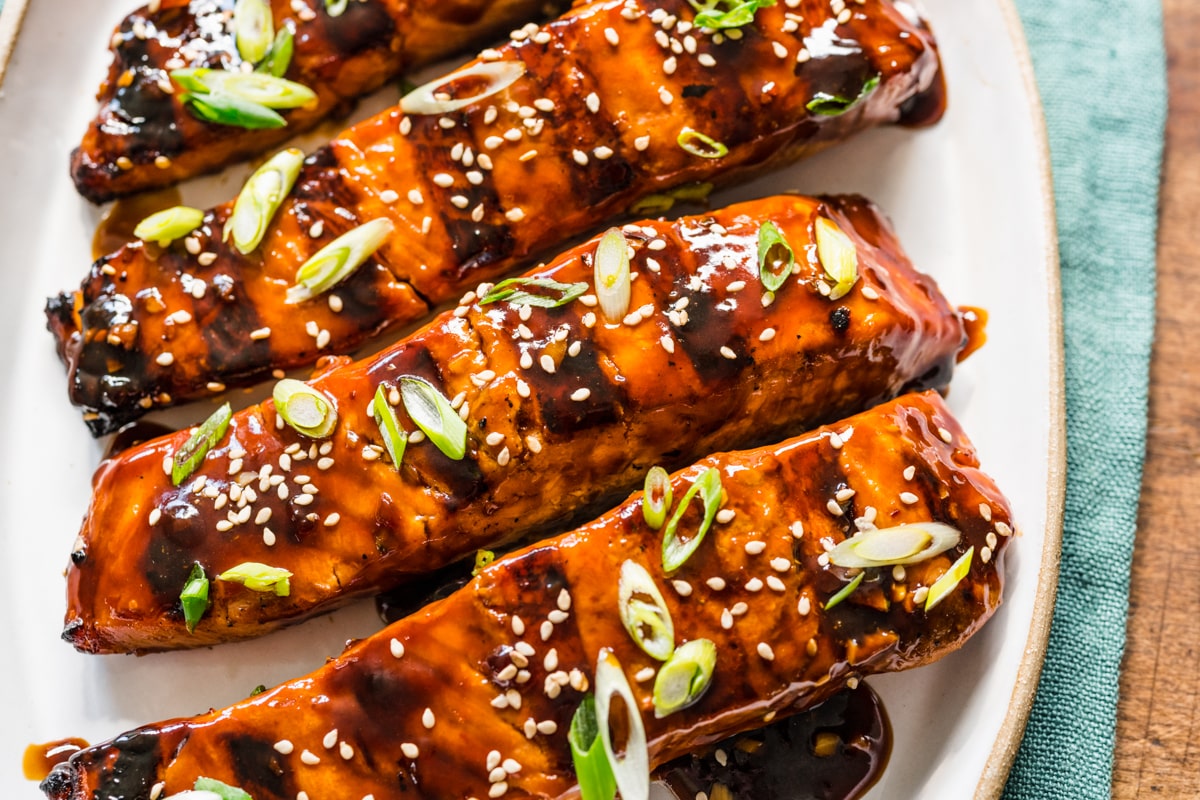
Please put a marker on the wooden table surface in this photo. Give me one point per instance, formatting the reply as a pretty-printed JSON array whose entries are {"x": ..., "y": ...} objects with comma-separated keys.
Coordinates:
[{"x": 1158, "y": 729}]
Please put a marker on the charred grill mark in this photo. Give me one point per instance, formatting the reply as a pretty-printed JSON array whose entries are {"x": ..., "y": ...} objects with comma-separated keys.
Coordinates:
[
  {"x": 360, "y": 28},
  {"x": 258, "y": 766},
  {"x": 562, "y": 416}
]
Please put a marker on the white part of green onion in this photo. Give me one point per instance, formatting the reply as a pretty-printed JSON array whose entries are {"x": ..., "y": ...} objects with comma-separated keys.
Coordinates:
[
  {"x": 169, "y": 224},
  {"x": 309, "y": 411},
  {"x": 433, "y": 414},
  {"x": 259, "y": 577},
  {"x": 942, "y": 587},
  {"x": 254, "y": 29},
  {"x": 431, "y": 98},
  {"x": 657, "y": 495},
  {"x": 261, "y": 197},
  {"x": 334, "y": 262},
  {"x": 838, "y": 257},
  {"x": 902, "y": 544},
  {"x": 644, "y": 612},
  {"x": 631, "y": 770},
  {"x": 611, "y": 275},
  {"x": 685, "y": 677}
]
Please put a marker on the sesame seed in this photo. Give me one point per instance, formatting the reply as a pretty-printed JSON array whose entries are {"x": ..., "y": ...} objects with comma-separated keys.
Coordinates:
[
  {"x": 811, "y": 647},
  {"x": 155, "y": 516},
  {"x": 715, "y": 583},
  {"x": 780, "y": 50},
  {"x": 991, "y": 540},
  {"x": 335, "y": 303},
  {"x": 739, "y": 609},
  {"x": 765, "y": 651},
  {"x": 754, "y": 585},
  {"x": 268, "y": 537},
  {"x": 644, "y": 674},
  {"x": 870, "y": 293},
  {"x": 310, "y": 758},
  {"x": 908, "y": 498},
  {"x": 835, "y": 441},
  {"x": 781, "y": 564},
  {"x": 920, "y": 594},
  {"x": 427, "y": 719},
  {"x": 546, "y": 630},
  {"x": 909, "y": 472},
  {"x": 330, "y": 739},
  {"x": 165, "y": 359},
  {"x": 726, "y": 619},
  {"x": 755, "y": 547},
  {"x": 579, "y": 395},
  {"x": 558, "y": 616},
  {"x": 497, "y": 790},
  {"x": 804, "y": 606},
  {"x": 833, "y": 507},
  {"x": 443, "y": 179},
  {"x": 547, "y": 727},
  {"x": 683, "y": 588},
  {"x": 283, "y": 747},
  {"x": 767, "y": 335},
  {"x": 985, "y": 554},
  {"x": 410, "y": 750},
  {"x": 728, "y": 353},
  {"x": 985, "y": 511},
  {"x": 260, "y": 333},
  {"x": 611, "y": 36},
  {"x": 547, "y": 363},
  {"x": 775, "y": 584},
  {"x": 533, "y": 443},
  {"x": 511, "y": 766},
  {"x": 641, "y": 143},
  {"x": 514, "y": 699},
  {"x": 564, "y": 600},
  {"x": 503, "y": 457},
  {"x": 1003, "y": 529},
  {"x": 844, "y": 494},
  {"x": 665, "y": 96},
  {"x": 945, "y": 435}
]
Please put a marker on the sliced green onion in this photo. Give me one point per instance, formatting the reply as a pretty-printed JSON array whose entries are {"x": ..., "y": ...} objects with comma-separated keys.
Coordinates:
[
  {"x": 656, "y": 497},
  {"x": 335, "y": 8},
  {"x": 832, "y": 105},
  {"x": 902, "y": 544},
  {"x": 845, "y": 591},
  {"x": 685, "y": 677},
  {"x": 511, "y": 291},
  {"x": 611, "y": 275},
  {"x": 658, "y": 203},
  {"x": 631, "y": 771},
  {"x": 225, "y": 109},
  {"x": 259, "y": 578},
  {"x": 482, "y": 559},
  {"x": 335, "y": 262},
  {"x": 838, "y": 257},
  {"x": 279, "y": 57},
  {"x": 775, "y": 257},
  {"x": 724, "y": 14},
  {"x": 221, "y": 790},
  {"x": 261, "y": 198},
  {"x": 169, "y": 224},
  {"x": 394, "y": 438},
  {"x": 699, "y": 144},
  {"x": 191, "y": 454},
  {"x": 432, "y": 413},
  {"x": 592, "y": 770},
  {"x": 942, "y": 587},
  {"x": 644, "y": 612},
  {"x": 309, "y": 411},
  {"x": 256, "y": 88},
  {"x": 254, "y": 29},
  {"x": 431, "y": 98},
  {"x": 257, "y": 690},
  {"x": 194, "y": 597},
  {"x": 675, "y": 552}
]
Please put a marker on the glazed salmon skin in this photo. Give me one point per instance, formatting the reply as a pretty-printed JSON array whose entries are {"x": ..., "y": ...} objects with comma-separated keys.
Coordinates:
[
  {"x": 491, "y": 677},
  {"x": 601, "y": 113},
  {"x": 563, "y": 410},
  {"x": 144, "y": 136}
]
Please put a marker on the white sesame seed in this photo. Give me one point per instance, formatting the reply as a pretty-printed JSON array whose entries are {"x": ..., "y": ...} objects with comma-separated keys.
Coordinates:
[
  {"x": 775, "y": 584},
  {"x": 514, "y": 699},
  {"x": 564, "y": 600},
  {"x": 844, "y": 494},
  {"x": 165, "y": 359},
  {"x": 284, "y": 747},
  {"x": 754, "y": 585},
  {"x": 765, "y": 651},
  {"x": 260, "y": 333},
  {"x": 611, "y": 36},
  {"x": 547, "y": 363},
  {"x": 985, "y": 511},
  {"x": 427, "y": 719},
  {"x": 780, "y": 50},
  {"x": 641, "y": 143},
  {"x": 511, "y": 766},
  {"x": 767, "y": 335},
  {"x": 908, "y": 498},
  {"x": 870, "y": 293},
  {"x": 739, "y": 609},
  {"x": 985, "y": 554},
  {"x": 909, "y": 472},
  {"x": 155, "y": 516},
  {"x": 755, "y": 547},
  {"x": 833, "y": 507},
  {"x": 389, "y": 196},
  {"x": 579, "y": 395},
  {"x": 557, "y": 616},
  {"x": 945, "y": 435},
  {"x": 726, "y": 619},
  {"x": 547, "y": 727},
  {"x": 665, "y": 96},
  {"x": 310, "y": 758},
  {"x": 546, "y": 630},
  {"x": 992, "y": 540},
  {"x": 781, "y": 564},
  {"x": 443, "y": 179},
  {"x": 1003, "y": 529},
  {"x": 797, "y": 529},
  {"x": 715, "y": 583},
  {"x": 920, "y": 594},
  {"x": 497, "y": 790},
  {"x": 410, "y": 750},
  {"x": 804, "y": 606},
  {"x": 330, "y": 739},
  {"x": 682, "y": 588}
]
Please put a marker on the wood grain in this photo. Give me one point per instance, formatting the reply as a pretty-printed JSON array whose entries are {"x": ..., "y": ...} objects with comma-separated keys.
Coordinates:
[{"x": 1158, "y": 728}]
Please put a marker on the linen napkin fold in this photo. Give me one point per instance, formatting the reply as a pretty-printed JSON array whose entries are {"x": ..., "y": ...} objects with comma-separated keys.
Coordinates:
[{"x": 1101, "y": 72}]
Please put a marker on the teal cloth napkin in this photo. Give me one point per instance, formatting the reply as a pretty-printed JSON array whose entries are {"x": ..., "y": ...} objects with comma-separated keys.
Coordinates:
[{"x": 1100, "y": 68}]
